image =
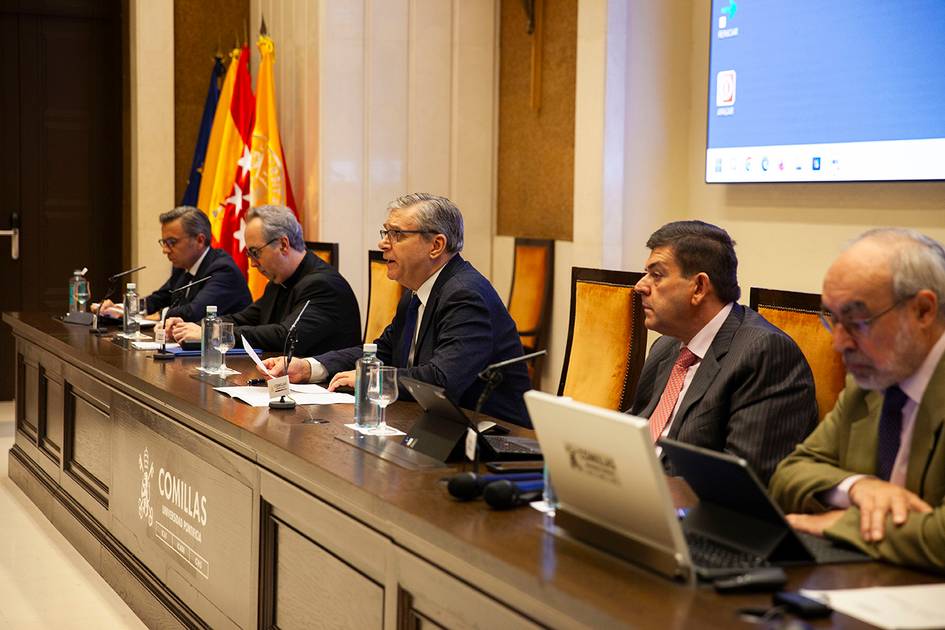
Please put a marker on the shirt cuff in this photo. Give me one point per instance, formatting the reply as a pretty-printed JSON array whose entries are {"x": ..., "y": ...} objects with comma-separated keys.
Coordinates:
[
  {"x": 839, "y": 495},
  {"x": 319, "y": 373}
]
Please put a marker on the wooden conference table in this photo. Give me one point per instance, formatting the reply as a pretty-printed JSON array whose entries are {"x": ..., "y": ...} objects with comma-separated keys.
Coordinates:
[{"x": 200, "y": 510}]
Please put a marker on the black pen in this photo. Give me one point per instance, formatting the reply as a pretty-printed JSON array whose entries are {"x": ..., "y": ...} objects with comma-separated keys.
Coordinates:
[{"x": 256, "y": 381}]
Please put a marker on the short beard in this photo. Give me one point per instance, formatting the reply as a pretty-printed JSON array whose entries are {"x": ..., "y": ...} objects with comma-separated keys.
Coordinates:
[{"x": 907, "y": 356}]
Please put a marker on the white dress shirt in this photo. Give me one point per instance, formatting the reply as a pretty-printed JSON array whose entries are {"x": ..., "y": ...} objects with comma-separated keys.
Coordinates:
[{"x": 194, "y": 267}]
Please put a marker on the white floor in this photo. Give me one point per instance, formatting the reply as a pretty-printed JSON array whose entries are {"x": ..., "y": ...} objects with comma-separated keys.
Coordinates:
[{"x": 44, "y": 582}]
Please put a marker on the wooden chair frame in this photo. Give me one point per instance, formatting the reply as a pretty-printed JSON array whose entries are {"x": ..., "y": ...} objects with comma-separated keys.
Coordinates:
[
  {"x": 374, "y": 255},
  {"x": 540, "y": 331},
  {"x": 634, "y": 359},
  {"x": 319, "y": 246}
]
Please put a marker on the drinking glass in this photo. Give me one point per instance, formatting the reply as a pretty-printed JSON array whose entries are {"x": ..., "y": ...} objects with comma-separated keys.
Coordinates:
[
  {"x": 222, "y": 340},
  {"x": 81, "y": 293},
  {"x": 382, "y": 389}
]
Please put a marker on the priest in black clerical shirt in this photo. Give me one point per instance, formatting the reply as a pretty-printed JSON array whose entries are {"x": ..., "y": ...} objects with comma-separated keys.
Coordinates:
[{"x": 275, "y": 246}]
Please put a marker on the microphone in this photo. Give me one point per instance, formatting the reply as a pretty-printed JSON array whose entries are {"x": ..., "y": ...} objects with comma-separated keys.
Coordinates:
[
  {"x": 125, "y": 273},
  {"x": 489, "y": 370},
  {"x": 187, "y": 286},
  {"x": 467, "y": 485},
  {"x": 505, "y": 494},
  {"x": 286, "y": 402}
]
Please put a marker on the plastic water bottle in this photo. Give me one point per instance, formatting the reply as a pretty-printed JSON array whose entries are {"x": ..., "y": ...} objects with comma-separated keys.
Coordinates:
[
  {"x": 73, "y": 282},
  {"x": 209, "y": 358},
  {"x": 367, "y": 414},
  {"x": 130, "y": 325}
]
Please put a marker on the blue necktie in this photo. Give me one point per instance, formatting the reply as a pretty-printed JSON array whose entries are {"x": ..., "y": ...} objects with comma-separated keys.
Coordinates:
[
  {"x": 890, "y": 431},
  {"x": 410, "y": 328}
]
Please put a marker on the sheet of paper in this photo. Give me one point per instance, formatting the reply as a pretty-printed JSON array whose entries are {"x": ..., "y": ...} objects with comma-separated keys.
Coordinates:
[
  {"x": 387, "y": 430},
  {"x": 259, "y": 396},
  {"x": 310, "y": 388},
  {"x": 151, "y": 345},
  {"x": 255, "y": 357},
  {"x": 911, "y": 607}
]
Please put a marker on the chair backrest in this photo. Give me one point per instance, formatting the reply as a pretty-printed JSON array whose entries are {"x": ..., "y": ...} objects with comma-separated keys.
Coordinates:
[
  {"x": 797, "y": 314},
  {"x": 531, "y": 294},
  {"x": 326, "y": 251},
  {"x": 606, "y": 338},
  {"x": 383, "y": 296}
]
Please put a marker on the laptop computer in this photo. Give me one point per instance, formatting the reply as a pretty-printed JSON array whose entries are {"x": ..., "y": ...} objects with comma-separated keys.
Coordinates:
[
  {"x": 613, "y": 494},
  {"x": 441, "y": 431}
]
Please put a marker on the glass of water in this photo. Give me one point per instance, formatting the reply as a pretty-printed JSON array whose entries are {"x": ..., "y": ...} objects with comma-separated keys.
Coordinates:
[
  {"x": 382, "y": 389},
  {"x": 222, "y": 340}
]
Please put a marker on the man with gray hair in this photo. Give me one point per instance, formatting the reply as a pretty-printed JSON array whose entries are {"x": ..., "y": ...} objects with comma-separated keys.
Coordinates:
[
  {"x": 185, "y": 240},
  {"x": 449, "y": 325},
  {"x": 275, "y": 246},
  {"x": 873, "y": 473}
]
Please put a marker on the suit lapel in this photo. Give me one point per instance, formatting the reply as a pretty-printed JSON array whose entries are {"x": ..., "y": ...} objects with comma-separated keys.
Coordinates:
[
  {"x": 449, "y": 270},
  {"x": 663, "y": 369},
  {"x": 709, "y": 367},
  {"x": 864, "y": 434},
  {"x": 927, "y": 429},
  {"x": 205, "y": 264}
]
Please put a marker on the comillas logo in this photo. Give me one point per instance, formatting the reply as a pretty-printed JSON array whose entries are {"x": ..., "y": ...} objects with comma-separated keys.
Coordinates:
[
  {"x": 183, "y": 495},
  {"x": 144, "y": 500}
]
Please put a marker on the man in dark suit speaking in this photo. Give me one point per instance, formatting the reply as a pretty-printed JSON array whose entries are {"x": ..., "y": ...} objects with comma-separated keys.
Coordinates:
[
  {"x": 450, "y": 324},
  {"x": 721, "y": 377},
  {"x": 185, "y": 240},
  {"x": 275, "y": 246}
]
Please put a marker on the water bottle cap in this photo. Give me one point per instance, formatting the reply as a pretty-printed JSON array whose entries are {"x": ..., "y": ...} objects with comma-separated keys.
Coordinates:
[
  {"x": 370, "y": 347},
  {"x": 211, "y": 309},
  {"x": 77, "y": 272},
  {"x": 132, "y": 285}
]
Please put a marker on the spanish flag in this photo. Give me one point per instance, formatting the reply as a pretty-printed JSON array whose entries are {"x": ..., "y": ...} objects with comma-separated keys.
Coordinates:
[{"x": 269, "y": 180}]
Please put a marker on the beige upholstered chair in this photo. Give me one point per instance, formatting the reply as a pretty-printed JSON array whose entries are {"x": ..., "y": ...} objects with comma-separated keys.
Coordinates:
[
  {"x": 326, "y": 251},
  {"x": 531, "y": 294},
  {"x": 606, "y": 338},
  {"x": 383, "y": 296},
  {"x": 797, "y": 314}
]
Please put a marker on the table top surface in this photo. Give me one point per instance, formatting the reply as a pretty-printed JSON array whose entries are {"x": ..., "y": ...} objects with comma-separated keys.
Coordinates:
[{"x": 515, "y": 546}]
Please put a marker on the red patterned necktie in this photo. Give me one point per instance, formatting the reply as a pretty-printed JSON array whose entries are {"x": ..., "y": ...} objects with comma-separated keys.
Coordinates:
[{"x": 667, "y": 403}]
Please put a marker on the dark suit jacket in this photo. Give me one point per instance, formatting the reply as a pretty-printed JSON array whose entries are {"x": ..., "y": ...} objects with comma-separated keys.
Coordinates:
[
  {"x": 331, "y": 321},
  {"x": 465, "y": 327},
  {"x": 226, "y": 290},
  {"x": 752, "y": 396},
  {"x": 846, "y": 443}
]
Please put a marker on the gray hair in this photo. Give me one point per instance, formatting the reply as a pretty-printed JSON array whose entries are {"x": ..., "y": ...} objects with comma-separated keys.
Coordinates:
[
  {"x": 192, "y": 220},
  {"x": 435, "y": 214},
  {"x": 278, "y": 221},
  {"x": 917, "y": 262}
]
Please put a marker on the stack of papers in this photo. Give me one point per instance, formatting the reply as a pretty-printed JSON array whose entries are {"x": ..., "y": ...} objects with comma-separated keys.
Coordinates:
[
  {"x": 302, "y": 395},
  {"x": 918, "y": 606}
]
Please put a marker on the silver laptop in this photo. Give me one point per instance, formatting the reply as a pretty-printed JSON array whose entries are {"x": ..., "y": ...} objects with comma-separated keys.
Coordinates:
[{"x": 611, "y": 488}]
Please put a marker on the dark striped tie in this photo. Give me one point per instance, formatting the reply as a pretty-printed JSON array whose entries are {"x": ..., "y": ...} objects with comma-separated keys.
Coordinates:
[
  {"x": 410, "y": 328},
  {"x": 890, "y": 431}
]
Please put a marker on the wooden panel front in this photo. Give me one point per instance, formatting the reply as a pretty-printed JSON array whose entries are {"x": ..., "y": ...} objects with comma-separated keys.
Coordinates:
[
  {"x": 88, "y": 450},
  {"x": 53, "y": 413},
  {"x": 315, "y": 589},
  {"x": 27, "y": 419}
]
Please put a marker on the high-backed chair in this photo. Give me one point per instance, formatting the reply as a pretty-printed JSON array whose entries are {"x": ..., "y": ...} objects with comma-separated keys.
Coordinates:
[
  {"x": 383, "y": 296},
  {"x": 798, "y": 314},
  {"x": 606, "y": 338},
  {"x": 531, "y": 294},
  {"x": 326, "y": 251}
]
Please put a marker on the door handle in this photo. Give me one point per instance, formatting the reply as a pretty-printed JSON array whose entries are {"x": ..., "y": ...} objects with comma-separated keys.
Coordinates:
[{"x": 14, "y": 234}]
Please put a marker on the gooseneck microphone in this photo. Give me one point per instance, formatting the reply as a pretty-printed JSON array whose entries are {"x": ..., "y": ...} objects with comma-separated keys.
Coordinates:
[
  {"x": 125, "y": 273},
  {"x": 489, "y": 370},
  {"x": 286, "y": 402},
  {"x": 188, "y": 285},
  {"x": 467, "y": 485},
  {"x": 505, "y": 494},
  {"x": 112, "y": 285}
]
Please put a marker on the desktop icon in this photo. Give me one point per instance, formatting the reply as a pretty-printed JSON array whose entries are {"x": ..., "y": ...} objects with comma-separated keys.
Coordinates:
[
  {"x": 725, "y": 88},
  {"x": 748, "y": 164},
  {"x": 815, "y": 164},
  {"x": 764, "y": 163},
  {"x": 729, "y": 11},
  {"x": 718, "y": 165}
]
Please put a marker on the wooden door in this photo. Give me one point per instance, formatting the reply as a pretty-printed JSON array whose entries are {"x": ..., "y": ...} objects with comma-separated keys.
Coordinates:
[{"x": 60, "y": 153}]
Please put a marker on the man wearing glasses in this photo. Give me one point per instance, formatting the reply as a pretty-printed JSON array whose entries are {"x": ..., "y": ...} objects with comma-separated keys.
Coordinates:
[
  {"x": 449, "y": 325},
  {"x": 275, "y": 246},
  {"x": 185, "y": 240},
  {"x": 873, "y": 473}
]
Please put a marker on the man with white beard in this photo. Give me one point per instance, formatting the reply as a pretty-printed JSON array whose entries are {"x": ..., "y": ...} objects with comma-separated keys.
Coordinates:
[{"x": 873, "y": 473}]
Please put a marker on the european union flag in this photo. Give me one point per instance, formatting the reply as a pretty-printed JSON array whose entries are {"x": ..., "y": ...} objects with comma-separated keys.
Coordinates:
[{"x": 203, "y": 137}]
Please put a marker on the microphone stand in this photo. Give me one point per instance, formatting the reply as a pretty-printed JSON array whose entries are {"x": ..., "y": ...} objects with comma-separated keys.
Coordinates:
[
  {"x": 112, "y": 285},
  {"x": 286, "y": 402},
  {"x": 492, "y": 375},
  {"x": 180, "y": 293}
]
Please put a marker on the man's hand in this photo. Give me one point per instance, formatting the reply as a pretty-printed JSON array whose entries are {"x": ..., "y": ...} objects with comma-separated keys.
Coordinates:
[
  {"x": 342, "y": 379},
  {"x": 300, "y": 370},
  {"x": 179, "y": 330},
  {"x": 814, "y": 523},
  {"x": 876, "y": 499},
  {"x": 108, "y": 308}
]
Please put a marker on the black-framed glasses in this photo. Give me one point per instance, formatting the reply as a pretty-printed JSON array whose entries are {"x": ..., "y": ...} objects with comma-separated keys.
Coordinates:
[
  {"x": 256, "y": 252},
  {"x": 170, "y": 242},
  {"x": 856, "y": 327},
  {"x": 394, "y": 235}
]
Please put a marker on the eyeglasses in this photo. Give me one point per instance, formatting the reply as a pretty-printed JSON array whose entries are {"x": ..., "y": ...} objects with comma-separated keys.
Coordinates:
[
  {"x": 856, "y": 328},
  {"x": 394, "y": 235},
  {"x": 256, "y": 252},
  {"x": 170, "y": 242}
]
